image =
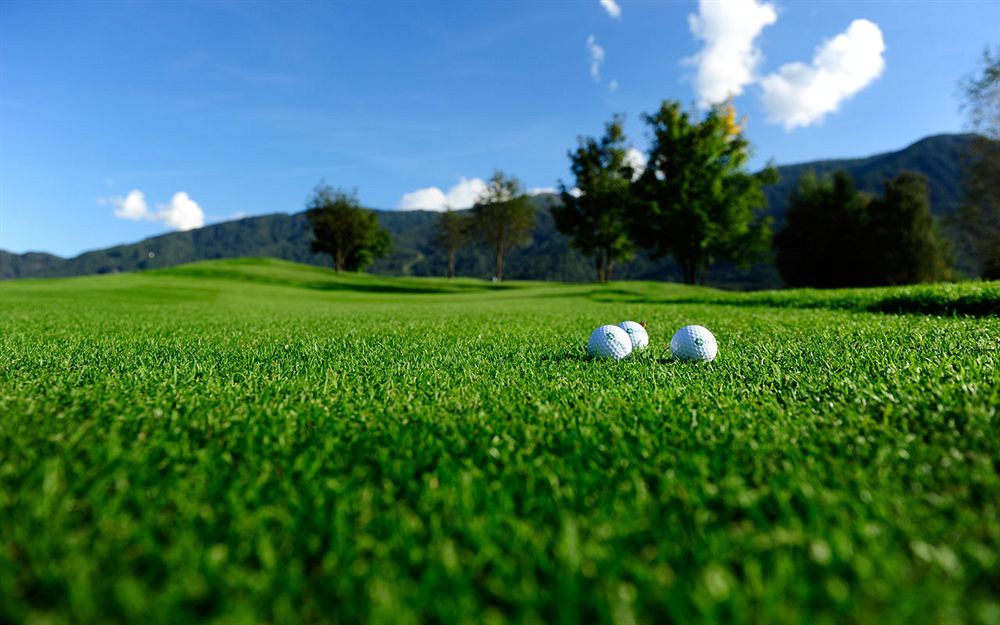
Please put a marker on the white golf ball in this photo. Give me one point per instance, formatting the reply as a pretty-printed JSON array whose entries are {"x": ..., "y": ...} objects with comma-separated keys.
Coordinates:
[
  {"x": 635, "y": 331},
  {"x": 609, "y": 342},
  {"x": 693, "y": 343}
]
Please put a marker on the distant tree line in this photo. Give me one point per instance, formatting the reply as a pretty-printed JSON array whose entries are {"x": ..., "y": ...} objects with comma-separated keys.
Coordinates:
[{"x": 693, "y": 199}]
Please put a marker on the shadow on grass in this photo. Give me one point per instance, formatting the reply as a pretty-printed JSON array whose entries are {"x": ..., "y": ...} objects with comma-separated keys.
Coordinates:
[
  {"x": 971, "y": 306},
  {"x": 362, "y": 284},
  {"x": 566, "y": 356},
  {"x": 409, "y": 289},
  {"x": 661, "y": 357}
]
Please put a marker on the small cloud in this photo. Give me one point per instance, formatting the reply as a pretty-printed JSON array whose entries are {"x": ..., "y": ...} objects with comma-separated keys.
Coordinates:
[
  {"x": 429, "y": 198},
  {"x": 613, "y": 86},
  {"x": 542, "y": 190},
  {"x": 596, "y": 58},
  {"x": 133, "y": 206},
  {"x": 462, "y": 195},
  {"x": 801, "y": 95},
  {"x": 637, "y": 161},
  {"x": 182, "y": 213},
  {"x": 575, "y": 192},
  {"x": 612, "y": 8},
  {"x": 727, "y": 62}
]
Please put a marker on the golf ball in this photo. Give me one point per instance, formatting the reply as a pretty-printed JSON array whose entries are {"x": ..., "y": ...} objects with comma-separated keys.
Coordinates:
[
  {"x": 635, "y": 331},
  {"x": 693, "y": 343},
  {"x": 609, "y": 342}
]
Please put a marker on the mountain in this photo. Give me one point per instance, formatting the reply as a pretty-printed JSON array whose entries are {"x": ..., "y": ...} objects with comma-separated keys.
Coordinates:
[
  {"x": 939, "y": 157},
  {"x": 548, "y": 257}
]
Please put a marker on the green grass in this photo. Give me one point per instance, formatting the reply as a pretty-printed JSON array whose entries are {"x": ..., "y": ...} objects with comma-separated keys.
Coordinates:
[{"x": 257, "y": 441}]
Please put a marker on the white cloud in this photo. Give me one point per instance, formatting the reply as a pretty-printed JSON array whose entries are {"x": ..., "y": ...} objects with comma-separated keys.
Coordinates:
[
  {"x": 613, "y": 86},
  {"x": 637, "y": 160},
  {"x": 575, "y": 192},
  {"x": 182, "y": 213},
  {"x": 612, "y": 8},
  {"x": 800, "y": 94},
  {"x": 542, "y": 190},
  {"x": 596, "y": 57},
  {"x": 132, "y": 206},
  {"x": 462, "y": 195},
  {"x": 465, "y": 193},
  {"x": 727, "y": 62},
  {"x": 429, "y": 198}
]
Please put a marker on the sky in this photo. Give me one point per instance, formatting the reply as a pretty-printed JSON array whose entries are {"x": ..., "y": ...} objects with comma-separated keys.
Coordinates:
[{"x": 123, "y": 120}]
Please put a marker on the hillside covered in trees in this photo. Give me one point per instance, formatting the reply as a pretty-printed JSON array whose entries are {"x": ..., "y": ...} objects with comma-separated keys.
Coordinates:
[{"x": 547, "y": 257}]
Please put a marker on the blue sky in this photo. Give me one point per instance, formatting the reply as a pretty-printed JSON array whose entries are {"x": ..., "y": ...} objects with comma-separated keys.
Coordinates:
[{"x": 122, "y": 120}]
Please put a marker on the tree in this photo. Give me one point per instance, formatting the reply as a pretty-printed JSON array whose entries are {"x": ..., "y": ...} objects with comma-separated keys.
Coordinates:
[
  {"x": 902, "y": 243},
  {"x": 503, "y": 218},
  {"x": 698, "y": 202},
  {"x": 978, "y": 219},
  {"x": 824, "y": 223},
  {"x": 982, "y": 96},
  {"x": 835, "y": 236},
  {"x": 595, "y": 215},
  {"x": 452, "y": 234},
  {"x": 343, "y": 229}
]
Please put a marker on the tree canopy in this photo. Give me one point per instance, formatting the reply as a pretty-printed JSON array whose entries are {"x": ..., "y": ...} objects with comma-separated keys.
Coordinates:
[
  {"x": 595, "y": 214},
  {"x": 978, "y": 219},
  {"x": 903, "y": 244},
  {"x": 835, "y": 236},
  {"x": 502, "y": 218},
  {"x": 824, "y": 224},
  {"x": 350, "y": 234},
  {"x": 698, "y": 203}
]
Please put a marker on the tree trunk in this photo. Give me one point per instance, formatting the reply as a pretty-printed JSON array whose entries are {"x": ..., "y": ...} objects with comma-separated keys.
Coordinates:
[
  {"x": 599, "y": 265},
  {"x": 498, "y": 274},
  {"x": 451, "y": 263},
  {"x": 687, "y": 268},
  {"x": 609, "y": 272}
]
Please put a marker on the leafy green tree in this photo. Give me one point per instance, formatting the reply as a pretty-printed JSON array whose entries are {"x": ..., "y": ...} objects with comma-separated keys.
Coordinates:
[
  {"x": 835, "y": 236},
  {"x": 982, "y": 96},
  {"x": 595, "y": 216},
  {"x": 452, "y": 234},
  {"x": 824, "y": 222},
  {"x": 698, "y": 202},
  {"x": 978, "y": 219},
  {"x": 503, "y": 218},
  {"x": 902, "y": 243},
  {"x": 350, "y": 234}
]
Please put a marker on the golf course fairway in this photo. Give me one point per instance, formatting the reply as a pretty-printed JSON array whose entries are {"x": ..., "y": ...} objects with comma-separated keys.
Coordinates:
[{"x": 259, "y": 441}]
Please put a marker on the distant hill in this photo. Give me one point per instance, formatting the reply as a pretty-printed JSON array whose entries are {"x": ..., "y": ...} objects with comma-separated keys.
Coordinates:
[
  {"x": 548, "y": 257},
  {"x": 939, "y": 157}
]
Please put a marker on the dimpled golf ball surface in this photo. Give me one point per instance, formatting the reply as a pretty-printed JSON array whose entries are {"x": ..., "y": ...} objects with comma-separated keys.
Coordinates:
[
  {"x": 693, "y": 343},
  {"x": 609, "y": 342},
  {"x": 635, "y": 331}
]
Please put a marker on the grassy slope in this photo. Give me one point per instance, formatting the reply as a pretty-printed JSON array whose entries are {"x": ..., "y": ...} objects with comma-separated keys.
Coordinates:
[{"x": 255, "y": 440}]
